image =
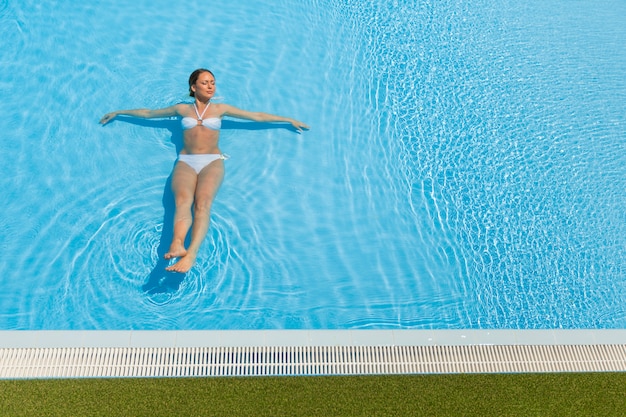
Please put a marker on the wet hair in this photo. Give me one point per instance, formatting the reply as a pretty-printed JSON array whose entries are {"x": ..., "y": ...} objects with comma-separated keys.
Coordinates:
[{"x": 194, "y": 77}]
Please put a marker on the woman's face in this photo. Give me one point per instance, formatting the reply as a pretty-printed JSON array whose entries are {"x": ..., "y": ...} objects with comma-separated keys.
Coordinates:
[{"x": 204, "y": 86}]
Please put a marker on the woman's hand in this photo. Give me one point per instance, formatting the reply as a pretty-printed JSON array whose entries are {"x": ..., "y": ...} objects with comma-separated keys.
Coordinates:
[
  {"x": 108, "y": 117},
  {"x": 299, "y": 126}
]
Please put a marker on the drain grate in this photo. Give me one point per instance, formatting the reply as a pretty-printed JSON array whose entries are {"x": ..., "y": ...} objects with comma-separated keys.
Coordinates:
[{"x": 306, "y": 360}]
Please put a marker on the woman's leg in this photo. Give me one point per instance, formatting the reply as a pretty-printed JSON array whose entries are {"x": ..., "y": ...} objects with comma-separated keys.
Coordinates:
[
  {"x": 208, "y": 183},
  {"x": 184, "y": 180}
]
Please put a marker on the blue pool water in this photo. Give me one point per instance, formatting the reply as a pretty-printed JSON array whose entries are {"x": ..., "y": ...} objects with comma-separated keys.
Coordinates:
[{"x": 465, "y": 167}]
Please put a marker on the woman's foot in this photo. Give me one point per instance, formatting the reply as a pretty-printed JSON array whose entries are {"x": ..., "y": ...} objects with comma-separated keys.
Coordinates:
[
  {"x": 177, "y": 250},
  {"x": 183, "y": 265}
]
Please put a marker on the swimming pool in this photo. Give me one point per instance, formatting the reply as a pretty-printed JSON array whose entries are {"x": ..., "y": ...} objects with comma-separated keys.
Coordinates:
[{"x": 465, "y": 166}]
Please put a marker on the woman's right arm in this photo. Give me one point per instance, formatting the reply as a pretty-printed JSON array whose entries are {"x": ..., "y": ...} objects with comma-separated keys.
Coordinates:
[{"x": 142, "y": 113}]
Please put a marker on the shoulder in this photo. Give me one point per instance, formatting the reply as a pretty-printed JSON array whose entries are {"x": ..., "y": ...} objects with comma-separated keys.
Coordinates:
[
  {"x": 220, "y": 106},
  {"x": 222, "y": 109},
  {"x": 181, "y": 108}
]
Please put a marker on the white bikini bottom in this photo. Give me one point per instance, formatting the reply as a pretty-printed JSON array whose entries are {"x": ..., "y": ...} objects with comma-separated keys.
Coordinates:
[{"x": 201, "y": 160}]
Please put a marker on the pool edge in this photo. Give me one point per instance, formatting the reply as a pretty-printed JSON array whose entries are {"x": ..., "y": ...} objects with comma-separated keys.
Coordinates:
[
  {"x": 251, "y": 338},
  {"x": 141, "y": 353}
]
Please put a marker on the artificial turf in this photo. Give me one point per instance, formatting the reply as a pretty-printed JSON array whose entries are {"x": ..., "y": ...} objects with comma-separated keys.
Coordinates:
[{"x": 563, "y": 394}]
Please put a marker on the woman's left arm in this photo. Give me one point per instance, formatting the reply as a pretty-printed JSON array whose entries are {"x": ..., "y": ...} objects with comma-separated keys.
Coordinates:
[{"x": 232, "y": 111}]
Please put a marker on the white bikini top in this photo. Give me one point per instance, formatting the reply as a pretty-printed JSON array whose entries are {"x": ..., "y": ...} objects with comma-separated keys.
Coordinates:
[{"x": 213, "y": 123}]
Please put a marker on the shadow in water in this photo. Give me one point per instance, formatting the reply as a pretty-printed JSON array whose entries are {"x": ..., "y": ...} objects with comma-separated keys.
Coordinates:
[{"x": 161, "y": 281}]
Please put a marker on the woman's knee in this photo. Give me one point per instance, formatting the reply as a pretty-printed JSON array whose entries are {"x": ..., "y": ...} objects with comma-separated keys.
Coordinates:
[
  {"x": 202, "y": 206},
  {"x": 201, "y": 211},
  {"x": 182, "y": 201}
]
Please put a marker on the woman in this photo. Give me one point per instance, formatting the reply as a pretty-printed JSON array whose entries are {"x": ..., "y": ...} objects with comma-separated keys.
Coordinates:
[{"x": 199, "y": 171}]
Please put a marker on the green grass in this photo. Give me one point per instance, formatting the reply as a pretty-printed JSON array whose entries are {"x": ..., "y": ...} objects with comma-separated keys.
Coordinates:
[{"x": 566, "y": 394}]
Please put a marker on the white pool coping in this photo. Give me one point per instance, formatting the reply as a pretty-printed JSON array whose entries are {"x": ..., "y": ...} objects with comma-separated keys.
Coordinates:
[
  {"x": 140, "y": 353},
  {"x": 250, "y": 338}
]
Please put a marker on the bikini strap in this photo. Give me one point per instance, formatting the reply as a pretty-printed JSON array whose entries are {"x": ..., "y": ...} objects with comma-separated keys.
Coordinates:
[{"x": 196, "y": 109}]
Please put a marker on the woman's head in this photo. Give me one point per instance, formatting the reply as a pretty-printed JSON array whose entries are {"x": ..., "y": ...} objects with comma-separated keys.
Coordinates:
[{"x": 193, "y": 78}]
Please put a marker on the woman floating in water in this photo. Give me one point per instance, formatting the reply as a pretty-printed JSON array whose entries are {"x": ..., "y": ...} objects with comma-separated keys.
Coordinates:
[{"x": 199, "y": 171}]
